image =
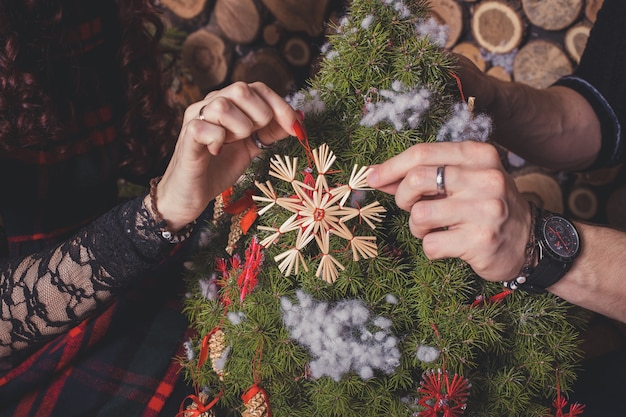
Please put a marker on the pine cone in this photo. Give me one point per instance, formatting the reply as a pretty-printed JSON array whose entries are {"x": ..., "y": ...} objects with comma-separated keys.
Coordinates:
[
  {"x": 235, "y": 232},
  {"x": 218, "y": 208},
  {"x": 256, "y": 407},
  {"x": 217, "y": 346},
  {"x": 203, "y": 397}
]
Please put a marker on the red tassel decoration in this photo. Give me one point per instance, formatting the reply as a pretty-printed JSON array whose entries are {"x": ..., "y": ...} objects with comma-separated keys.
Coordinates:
[{"x": 441, "y": 397}]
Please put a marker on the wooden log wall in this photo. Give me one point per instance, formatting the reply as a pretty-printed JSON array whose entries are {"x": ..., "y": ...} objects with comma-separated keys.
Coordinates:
[
  {"x": 274, "y": 41},
  {"x": 278, "y": 41},
  {"x": 536, "y": 42}
]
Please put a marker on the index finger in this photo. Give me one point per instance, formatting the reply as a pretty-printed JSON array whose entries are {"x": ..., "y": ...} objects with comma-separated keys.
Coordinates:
[
  {"x": 468, "y": 153},
  {"x": 285, "y": 121}
]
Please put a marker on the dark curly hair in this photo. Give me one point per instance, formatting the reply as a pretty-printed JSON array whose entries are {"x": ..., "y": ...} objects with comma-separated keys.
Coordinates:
[{"x": 36, "y": 85}]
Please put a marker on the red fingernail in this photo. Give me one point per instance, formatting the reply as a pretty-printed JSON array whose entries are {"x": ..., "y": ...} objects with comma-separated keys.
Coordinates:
[
  {"x": 300, "y": 133},
  {"x": 301, "y": 114}
]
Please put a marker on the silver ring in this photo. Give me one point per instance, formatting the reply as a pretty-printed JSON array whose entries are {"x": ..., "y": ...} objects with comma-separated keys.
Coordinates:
[
  {"x": 258, "y": 143},
  {"x": 441, "y": 185},
  {"x": 200, "y": 113}
]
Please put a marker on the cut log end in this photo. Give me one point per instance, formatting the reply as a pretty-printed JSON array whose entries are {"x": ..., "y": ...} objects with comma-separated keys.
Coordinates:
[
  {"x": 297, "y": 51},
  {"x": 272, "y": 34},
  {"x": 499, "y": 72},
  {"x": 239, "y": 21},
  {"x": 497, "y": 27},
  {"x": 299, "y": 15},
  {"x": 450, "y": 13},
  {"x": 265, "y": 65},
  {"x": 205, "y": 55},
  {"x": 542, "y": 189},
  {"x": 185, "y": 9},
  {"x": 540, "y": 63},
  {"x": 552, "y": 14},
  {"x": 471, "y": 51},
  {"x": 591, "y": 9},
  {"x": 575, "y": 40},
  {"x": 583, "y": 203}
]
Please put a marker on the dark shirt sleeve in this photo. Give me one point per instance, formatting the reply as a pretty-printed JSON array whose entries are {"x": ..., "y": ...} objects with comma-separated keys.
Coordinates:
[{"x": 601, "y": 79}]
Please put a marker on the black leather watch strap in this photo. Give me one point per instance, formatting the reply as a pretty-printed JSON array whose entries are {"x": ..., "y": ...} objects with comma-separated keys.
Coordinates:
[{"x": 547, "y": 272}]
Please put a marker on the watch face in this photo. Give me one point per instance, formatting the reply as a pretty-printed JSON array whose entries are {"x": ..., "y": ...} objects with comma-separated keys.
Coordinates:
[{"x": 561, "y": 238}]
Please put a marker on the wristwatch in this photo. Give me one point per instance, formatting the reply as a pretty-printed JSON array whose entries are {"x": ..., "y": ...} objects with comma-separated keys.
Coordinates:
[{"x": 558, "y": 245}]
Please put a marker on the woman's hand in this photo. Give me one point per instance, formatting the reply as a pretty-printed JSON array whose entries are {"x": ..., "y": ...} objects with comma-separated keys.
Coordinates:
[
  {"x": 481, "y": 218},
  {"x": 216, "y": 145}
]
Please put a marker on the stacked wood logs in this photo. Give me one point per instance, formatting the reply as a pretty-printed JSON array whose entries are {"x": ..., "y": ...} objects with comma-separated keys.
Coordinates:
[
  {"x": 274, "y": 41},
  {"x": 530, "y": 41}
]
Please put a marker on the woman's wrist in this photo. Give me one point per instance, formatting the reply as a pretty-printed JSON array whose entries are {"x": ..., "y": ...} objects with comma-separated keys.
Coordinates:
[{"x": 168, "y": 230}]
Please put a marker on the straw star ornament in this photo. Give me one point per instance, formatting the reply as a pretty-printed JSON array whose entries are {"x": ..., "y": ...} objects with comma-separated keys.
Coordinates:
[{"x": 319, "y": 212}]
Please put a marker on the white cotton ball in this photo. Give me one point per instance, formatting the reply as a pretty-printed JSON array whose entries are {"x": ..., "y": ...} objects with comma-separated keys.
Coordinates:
[
  {"x": 393, "y": 359},
  {"x": 189, "y": 352},
  {"x": 359, "y": 314},
  {"x": 304, "y": 299},
  {"x": 366, "y": 336},
  {"x": 333, "y": 330},
  {"x": 383, "y": 322},
  {"x": 236, "y": 318},
  {"x": 375, "y": 359},
  {"x": 390, "y": 342},
  {"x": 366, "y": 373},
  {"x": 397, "y": 85},
  {"x": 286, "y": 304},
  {"x": 295, "y": 332},
  {"x": 437, "y": 33},
  {"x": 427, "y": 353},
  {"x": 391, "y": 299},
  {"x": 314, "y": 369},
  {"x": 358, "y": 350},
  {"x": 380, "y": 336},
  {"x": 341, "y": 313},
  {"x": 208, "y": 288},
  {"x": 220, "y": 363},
  {"x": 316, "y": 347},
  {"x": 367, "y": 22},
  {"x": 337, "y": 337},
  {"x": 330, "y": 56},
  {"x": 320, "y": 310}
]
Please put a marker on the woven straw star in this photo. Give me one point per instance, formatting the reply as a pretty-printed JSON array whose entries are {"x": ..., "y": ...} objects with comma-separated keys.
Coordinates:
[{"x": 318, "y": 213}]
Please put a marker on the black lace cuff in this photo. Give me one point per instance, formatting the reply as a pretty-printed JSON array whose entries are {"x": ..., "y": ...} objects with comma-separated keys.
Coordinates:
[{"x": 131, "y": 240}]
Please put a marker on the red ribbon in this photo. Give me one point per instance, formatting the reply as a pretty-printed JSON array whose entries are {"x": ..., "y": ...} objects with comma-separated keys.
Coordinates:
[
  {"x": 304, "y": 140},
  {"x": 254, "y": 390},
  {"x": 459, "y": 85},
  {"x": 493, "y": 299},
  {"x": 201, "y": 407},
  {"x": 245, "y": 203}
]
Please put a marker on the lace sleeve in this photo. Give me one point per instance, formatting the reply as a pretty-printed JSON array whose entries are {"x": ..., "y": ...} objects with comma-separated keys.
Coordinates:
[{"x": 45, "y": 294}]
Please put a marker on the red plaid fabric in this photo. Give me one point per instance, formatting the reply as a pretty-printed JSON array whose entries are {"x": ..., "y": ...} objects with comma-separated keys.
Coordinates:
[{"x": 123, "y": 361}]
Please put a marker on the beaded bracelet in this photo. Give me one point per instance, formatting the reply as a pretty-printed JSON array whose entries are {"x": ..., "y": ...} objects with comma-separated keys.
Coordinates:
[
  {"x": 161, "y": 224},
  {"x": 528, "y": 266}
]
